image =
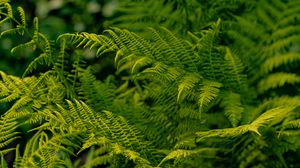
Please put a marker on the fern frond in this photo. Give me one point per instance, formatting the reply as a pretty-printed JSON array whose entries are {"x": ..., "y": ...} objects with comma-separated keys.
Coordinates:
[
  {"x": 186, "y": 85},
  {"x": 9, "y": 88},
  {"x": 223, "y": 133},
  {"x": 8, "y": 131},
  {"x": 43, "y": 150},
  {"x": 43, "y": 59},
  {"x": 99, "y": 95},
  {"x": 286, "y": 31},
  {"x": 272, "y": 103},
  {"x": 14, "y": 31},
  {"x": 250, "y": 154},
  {"x": 130, "y": 155},
  {"x": 233, "y": 108},
  {"x": 181, "y": 154},
  {"x": 163, "y": 72},
  {"x": 263, "y": 15},
  {"x": 141, "y": 14},
  {"x": 292, "y": 124},
  {"x": 9, "y": 10},
  {"x": 208, "y": 93},
  {"x": 280, "y": 60},
  {"x": 92, "y": 140},
  {"x": 277, "y": 80},
  {"x": 282, "y": 44},
  {"x": 271, "y": 116},
  {"x": 235, "y": 68},
  {"x": 105, "y": 124},
  {"x": 22, "y": 16},
  {"x": 4, "y": 1},
  {"x": 141, "y": 62},
  {"x": 31, "y": 44},
  {"x": 271, "y": 34}
]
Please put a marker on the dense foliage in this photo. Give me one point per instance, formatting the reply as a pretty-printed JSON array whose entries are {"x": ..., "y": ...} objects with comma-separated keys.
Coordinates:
[{"x": 173, "y": 83}]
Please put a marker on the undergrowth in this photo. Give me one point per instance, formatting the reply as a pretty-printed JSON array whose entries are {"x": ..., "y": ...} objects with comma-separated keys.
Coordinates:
[{"x": 187, "y": 90}]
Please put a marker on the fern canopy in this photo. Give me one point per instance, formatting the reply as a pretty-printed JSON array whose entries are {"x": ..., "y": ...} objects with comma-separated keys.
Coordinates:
[{"x": 170, "y": 84}]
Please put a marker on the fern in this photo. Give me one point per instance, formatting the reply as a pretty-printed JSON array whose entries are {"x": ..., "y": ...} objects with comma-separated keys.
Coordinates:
[
  {"x": 233, "y": 108},
  {"x": 276, "y": 114},
  {"x": 213, "y": 98},
  {"x": 185, "y": 77},
  {"x": 152, "y": 58},
  {"x": 104, "y": 92},
  {"x": 181, "y": 154},
  {"x": 179, "y": 16},
  {"x": 137, "y": 15},
  {"x": 186, "y": 85},
  {"x": 208, "y": 93},
  {"x": 67, "y": 127},
  {"x": 276, "y": 40},
  {"x": 277, "y": 80}
]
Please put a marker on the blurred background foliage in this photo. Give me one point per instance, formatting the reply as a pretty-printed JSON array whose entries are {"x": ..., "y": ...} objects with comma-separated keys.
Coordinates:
[
  {"x": 58, "y": 17},
  {"x": 93, "y": 16}
]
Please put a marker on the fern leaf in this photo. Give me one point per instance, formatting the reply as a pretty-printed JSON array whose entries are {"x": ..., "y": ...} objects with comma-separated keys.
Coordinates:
[
  {"x": 272, "y": 115},
  {"x": 36, "y": 29},
  {"x": 43, "y": 150},
  {"x": 282, "y": 44},
  {"x": 208, "y": 93},
  {"x": 181, "y": 153},
  {"x": 277, "y": 80},
  {"x": 280, "y": 60},
  {"x": 9, "y": 10},
  {"x": 98, "y": 95},
  {"x": 92, "y": 140},
  {"x": 3, "y": 162},
  {"x": 292, "y": 124},
  {"x": 8, "y": 131},
  {"x": 223, "y": 133},
  {"x": 31, "y": 44},
  {"x": 13, "y": 31},
  {"x": 250, "y": 28},
  {"x": 235, "y": 68},
  {"x": 40, "y": 60},
  {"x": 140, "y": 62},
  {"x": 233, "y": 108},
  {"x": 131, "y": 155},
  {"x": 119, "y": 54},
  {"x": 163, "y": 72},
  {"x": 264, "y": 17},
  {"x": 22, "y": 16},
  {"x": 186, "y": 85},
  {"x": 286, "y": 31}
]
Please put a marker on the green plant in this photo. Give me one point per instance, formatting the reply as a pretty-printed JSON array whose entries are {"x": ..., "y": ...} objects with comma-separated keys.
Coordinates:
[
  {"x": 188, "y": 100},
  {"x": 180, "y": 16}
]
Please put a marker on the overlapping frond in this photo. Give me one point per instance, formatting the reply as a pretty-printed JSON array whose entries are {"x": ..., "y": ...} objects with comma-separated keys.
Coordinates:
[
  {"x": 269, "y": 117},
  {"x": 43, "y": 150},
  {"x": 192, "y": 70},
  {"x": 98, "y": 94},
  {"x": 276, "y": 80},
  {"x": 138, "y": 15},
  {"x": 181, "y": 154},
  {"x": 167, "y": 90},
  {"x": 271, "y": 35},
  {"x": 208, "y": 93},
  {"x": 233, "y": 108}
]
